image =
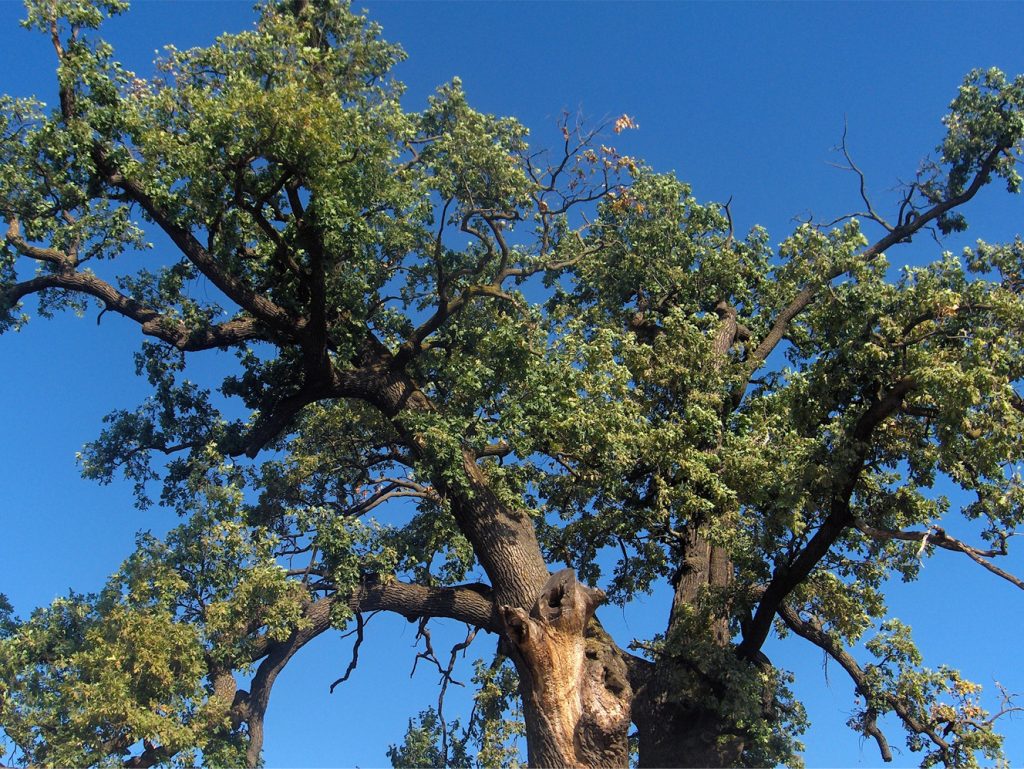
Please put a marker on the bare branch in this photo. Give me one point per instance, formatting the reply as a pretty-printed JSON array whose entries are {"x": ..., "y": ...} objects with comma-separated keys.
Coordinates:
[
  {"x": 871, "y": 727},
  {"x": 939, "y": 538},
  {"x": 360, "y": 624},
  {"x": 851, "y": 166},
  {"x": 386, "y": 494},
  {"x": 446, "y": 673},
  {"x": 727, "y": 210}
]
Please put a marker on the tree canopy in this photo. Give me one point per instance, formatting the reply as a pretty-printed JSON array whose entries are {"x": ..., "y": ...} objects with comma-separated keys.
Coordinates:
[{"x": 452, "y": 356}]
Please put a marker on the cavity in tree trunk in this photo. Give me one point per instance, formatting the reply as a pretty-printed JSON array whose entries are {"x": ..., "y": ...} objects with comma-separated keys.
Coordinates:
[{"x": 575, "y": 691}]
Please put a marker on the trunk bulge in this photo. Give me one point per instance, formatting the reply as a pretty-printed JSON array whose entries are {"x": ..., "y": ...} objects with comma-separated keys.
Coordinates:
[{"x": 575, "y": 693}]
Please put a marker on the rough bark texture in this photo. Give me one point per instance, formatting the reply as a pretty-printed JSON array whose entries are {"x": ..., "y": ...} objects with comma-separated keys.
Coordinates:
[
  {"x": 576, "y": 696},
  {"x": 251, "y": 706},
  {"x": 674, "y": 732},
  {"x": 705, "y": 567},
  {"x": 503, "y": 538}
]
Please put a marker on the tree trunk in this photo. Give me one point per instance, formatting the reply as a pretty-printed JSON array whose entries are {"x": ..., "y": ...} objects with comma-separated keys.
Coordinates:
[
  {"x": 503, "y": 538},
  {"x": 674, "y": 731},
  {"x": 576, "y": 696},
  {"x": 574, "y": 684},
  {"x": 705, "y": 568},
  {"x": 677, "y": 723}
]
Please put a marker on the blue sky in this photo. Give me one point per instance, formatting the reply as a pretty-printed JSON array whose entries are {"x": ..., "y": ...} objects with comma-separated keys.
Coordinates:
[{"x": 741, "y": 100}]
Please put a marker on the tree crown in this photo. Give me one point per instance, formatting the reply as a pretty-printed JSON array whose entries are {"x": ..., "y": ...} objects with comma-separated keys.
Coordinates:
[{"x": 424, "y": 309}]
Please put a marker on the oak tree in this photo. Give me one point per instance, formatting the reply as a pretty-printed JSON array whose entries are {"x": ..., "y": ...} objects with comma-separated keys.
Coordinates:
[{"x": 606, "y": 367}]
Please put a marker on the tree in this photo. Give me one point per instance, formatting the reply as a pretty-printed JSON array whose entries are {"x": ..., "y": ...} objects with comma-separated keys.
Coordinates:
[{"x": 605, "y": 365}]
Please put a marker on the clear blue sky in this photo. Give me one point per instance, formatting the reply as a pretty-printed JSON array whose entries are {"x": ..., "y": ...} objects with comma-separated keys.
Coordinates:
[{"x": 742, "y": 100}]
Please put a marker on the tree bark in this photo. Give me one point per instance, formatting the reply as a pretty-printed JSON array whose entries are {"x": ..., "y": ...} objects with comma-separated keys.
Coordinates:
[
  {"x": 503, "y": 538},
  {"x": 705, "y": 567},
  {"x": 670, "y": 734},
  {"x": 576, "y": 694},
  {"x": 677, "y": 726}
]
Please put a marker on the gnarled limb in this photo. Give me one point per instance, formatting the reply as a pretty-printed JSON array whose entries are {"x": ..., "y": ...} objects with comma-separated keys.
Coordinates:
[
  {"x": 470, "y": 604},
  {"x": 152, "y": 322}
]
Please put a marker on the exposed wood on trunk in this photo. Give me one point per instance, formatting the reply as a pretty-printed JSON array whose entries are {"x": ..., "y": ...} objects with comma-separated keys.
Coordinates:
[{"x": 576, "y": 696}]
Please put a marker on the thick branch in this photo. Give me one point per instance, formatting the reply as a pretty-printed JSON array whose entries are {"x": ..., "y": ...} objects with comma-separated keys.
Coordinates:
[
  {"x": 150, "y": 756},
  {"x": 470, "y": 604},
  {"x": 59, "y": 259},
  {"x": 502, "y": 536},
  {"x": 318, "y": 617},
  {"x": 499, "y": 449},
  {"x": 273, "y": 421},
  {"x": 152, "y": 322},
  {"x": 788, "y": 576}
]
